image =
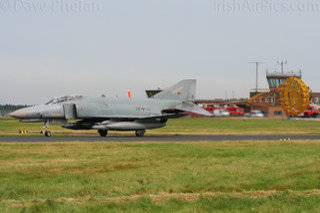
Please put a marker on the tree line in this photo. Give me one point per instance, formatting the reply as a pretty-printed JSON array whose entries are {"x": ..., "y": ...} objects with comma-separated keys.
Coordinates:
[{"x": 5, "y": 110}]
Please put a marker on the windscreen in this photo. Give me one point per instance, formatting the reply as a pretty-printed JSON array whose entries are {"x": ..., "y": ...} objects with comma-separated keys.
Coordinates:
[{"x": 63, "y": 99}]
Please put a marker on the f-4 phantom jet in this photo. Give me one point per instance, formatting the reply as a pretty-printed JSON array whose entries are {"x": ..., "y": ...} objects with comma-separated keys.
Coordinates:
[{"x": 116, "y": 114}]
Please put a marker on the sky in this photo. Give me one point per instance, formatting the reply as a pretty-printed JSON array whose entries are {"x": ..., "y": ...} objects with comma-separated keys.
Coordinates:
[{"x": 50, "y": 48}]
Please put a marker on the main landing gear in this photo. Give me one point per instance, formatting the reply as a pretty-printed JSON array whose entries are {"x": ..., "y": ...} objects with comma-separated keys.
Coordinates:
[
  {"x": 140, "y": 133},
  {"x": 103, "y": 133}
]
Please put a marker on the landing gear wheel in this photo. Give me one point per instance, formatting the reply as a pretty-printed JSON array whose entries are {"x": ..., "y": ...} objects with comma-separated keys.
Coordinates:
[
  {"x": 48, "y": 134},
  {"x": 140, "y": 133},
  {"x": 103, "y": 133}
]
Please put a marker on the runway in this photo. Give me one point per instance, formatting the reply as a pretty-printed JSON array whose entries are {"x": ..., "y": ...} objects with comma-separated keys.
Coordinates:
[{"x": 198, "y": 138}]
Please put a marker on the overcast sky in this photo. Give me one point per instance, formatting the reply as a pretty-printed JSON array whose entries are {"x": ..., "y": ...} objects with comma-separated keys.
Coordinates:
[{"x": 52, "y": 48}]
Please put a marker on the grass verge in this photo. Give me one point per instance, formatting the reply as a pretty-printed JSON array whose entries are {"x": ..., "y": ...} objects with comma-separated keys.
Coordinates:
[{"x": 182, "y": 177}]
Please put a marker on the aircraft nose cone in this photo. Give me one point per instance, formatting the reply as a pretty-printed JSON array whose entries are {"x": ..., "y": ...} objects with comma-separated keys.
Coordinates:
[{"x": 21, "y": 113}]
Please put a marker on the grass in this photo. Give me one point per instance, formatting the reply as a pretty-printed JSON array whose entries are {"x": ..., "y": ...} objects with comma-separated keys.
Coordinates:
[
  {"x": 160, "y": 177},
  {"x": 188, "y": 126}
]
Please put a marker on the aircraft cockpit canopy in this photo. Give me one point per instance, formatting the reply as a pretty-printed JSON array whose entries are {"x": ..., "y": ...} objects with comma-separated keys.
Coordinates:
[{"x": 64, "y": 99}]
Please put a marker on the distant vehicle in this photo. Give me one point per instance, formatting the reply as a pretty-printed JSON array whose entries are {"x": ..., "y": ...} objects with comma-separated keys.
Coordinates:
[
  {"x": 209, "y": 109},
  {"x": 235, "y": 111},
  {"x": 217, "y": 111},
  {"x": 220, "y": 112},
  {"x": 255, "y": 114},
  {"x": 311, "y": 111}
]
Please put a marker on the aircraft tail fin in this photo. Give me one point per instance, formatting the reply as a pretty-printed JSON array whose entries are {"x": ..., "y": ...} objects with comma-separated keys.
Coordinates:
[{"x": 183, "y": 90}]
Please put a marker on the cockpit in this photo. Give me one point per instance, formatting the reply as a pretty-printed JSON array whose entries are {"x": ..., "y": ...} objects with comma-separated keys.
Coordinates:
[{"x": 62, "y": 99}]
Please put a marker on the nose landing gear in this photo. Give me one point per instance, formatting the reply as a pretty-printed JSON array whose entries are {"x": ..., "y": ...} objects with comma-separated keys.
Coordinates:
[{"x": 47, "y": 133}]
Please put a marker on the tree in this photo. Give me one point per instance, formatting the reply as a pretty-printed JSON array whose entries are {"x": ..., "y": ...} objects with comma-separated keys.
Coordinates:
[{"x": 5, "y": 110}]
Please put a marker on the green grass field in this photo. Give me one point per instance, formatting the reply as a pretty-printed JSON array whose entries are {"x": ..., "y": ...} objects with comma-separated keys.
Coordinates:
[
  {"x": 188, "y": 126},
  {"x": 269, "y": 176},
  {"x": 160, "y": 177}
]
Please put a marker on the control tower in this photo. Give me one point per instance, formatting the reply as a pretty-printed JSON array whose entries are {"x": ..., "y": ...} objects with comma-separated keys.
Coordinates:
[
  {"x": 276, "y": 78},
  {"x": 268, "y": 100}
]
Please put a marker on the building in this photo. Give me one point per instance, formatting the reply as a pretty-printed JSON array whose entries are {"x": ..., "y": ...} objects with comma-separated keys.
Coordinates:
[
  {"x": 268, "y": 100},
  {"x": 315, "y": 97}
]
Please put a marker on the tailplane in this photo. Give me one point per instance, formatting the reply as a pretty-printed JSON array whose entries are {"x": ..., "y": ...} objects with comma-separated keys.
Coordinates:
[{"x": 184, "y": 90}]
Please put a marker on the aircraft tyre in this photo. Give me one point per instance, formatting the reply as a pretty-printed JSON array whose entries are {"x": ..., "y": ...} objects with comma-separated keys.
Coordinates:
[
  {"x": 48, "y": 134},
  {"x": 140, "y": 133},
  {"x": 103, "y": 133}
]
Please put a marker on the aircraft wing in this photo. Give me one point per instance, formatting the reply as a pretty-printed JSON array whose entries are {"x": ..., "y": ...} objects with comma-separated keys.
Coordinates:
[
  {"x": 192, "y": 108},
  {"x": 175, "y": 112}
]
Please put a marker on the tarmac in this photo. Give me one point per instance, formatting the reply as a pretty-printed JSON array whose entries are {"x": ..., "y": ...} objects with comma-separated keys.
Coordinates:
[{"x": 198, "y": 138}]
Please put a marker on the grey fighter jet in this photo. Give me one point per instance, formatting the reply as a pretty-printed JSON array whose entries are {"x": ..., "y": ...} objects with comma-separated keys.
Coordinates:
[{"x": 116, "y": 114}]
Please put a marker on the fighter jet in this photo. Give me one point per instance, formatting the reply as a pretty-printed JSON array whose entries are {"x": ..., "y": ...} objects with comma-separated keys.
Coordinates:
[{"x": 116, "y": 114}]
